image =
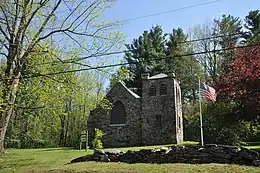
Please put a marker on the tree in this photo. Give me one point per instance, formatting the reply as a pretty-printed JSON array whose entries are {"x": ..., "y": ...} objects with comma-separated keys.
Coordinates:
[
  {"x": 156, "y": 52},
  {"x": 51, "y": 110},
  {"x": 252, "y": 24},
  {"x": 24, "y": 24},
  {"x": 185, "y": 66},
  {"x": 222, "y": 33},
  {"x": 210, "y": 60},
  {"x": 121, "y": 74},
  {"x": 146, "y": 54},
  {"x": 230, "y": 30},
  {"x": 241, "y": 84}
]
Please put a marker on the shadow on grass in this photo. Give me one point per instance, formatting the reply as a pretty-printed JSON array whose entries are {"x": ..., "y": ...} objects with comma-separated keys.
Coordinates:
[{"x": 80, "y": 159}]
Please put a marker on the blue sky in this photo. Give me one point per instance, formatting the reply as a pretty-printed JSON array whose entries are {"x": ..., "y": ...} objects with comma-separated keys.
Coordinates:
[
  {"x": 185, "y": 19},
  {"x": 125, "y": 9}
]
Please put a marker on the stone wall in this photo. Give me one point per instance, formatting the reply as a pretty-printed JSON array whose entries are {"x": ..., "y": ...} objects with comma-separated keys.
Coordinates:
[
  {"x": 128, "y": 134},
  {"x": 185, "y": 154},
  {"x": 141, "y": 127}
]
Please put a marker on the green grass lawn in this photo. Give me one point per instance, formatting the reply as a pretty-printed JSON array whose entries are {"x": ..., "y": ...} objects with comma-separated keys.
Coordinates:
[{"x": 54, "y": 160}]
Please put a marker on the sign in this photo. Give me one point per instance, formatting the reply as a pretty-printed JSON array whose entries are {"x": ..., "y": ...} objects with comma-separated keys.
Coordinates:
[{"x": 84, "y": 138}]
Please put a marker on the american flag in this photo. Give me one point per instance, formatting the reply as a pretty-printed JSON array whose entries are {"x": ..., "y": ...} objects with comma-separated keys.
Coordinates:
[{"x": 208, "y": 92}]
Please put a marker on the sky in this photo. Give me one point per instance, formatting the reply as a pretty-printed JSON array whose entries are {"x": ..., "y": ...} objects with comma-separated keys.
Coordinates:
[{"x": 186, "y": 18}]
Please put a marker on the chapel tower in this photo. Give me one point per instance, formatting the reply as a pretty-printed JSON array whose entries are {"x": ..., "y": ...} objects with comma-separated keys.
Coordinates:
[{"x": 162, "y": 121}]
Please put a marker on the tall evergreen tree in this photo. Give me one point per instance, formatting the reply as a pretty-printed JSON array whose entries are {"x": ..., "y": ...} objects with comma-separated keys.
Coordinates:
[
  {"x": 146, "y": 54},
  {"x": 252, "y": 24},
  {"x": 156, "y": 52}
]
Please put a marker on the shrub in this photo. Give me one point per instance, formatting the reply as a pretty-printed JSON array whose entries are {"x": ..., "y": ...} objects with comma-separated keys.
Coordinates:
[
  {"x": 221, "y": 124},
  {"x": 13, "y": 143},
  {"x": 97, "y": 143}
]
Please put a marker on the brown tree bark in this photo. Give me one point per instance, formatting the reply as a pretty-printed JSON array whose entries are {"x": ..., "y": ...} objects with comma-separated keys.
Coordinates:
[{"x": 9, "y": 96}]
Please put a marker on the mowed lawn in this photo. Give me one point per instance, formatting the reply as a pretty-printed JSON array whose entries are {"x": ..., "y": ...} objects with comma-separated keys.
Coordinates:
[{"x": 54, "y": 160}]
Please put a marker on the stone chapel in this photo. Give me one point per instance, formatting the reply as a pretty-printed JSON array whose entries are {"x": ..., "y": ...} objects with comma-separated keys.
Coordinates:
[{"x": 153, "y": 119}]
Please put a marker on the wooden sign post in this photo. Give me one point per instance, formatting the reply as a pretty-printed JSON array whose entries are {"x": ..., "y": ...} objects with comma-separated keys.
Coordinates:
[{"x": 83, "y": 139}]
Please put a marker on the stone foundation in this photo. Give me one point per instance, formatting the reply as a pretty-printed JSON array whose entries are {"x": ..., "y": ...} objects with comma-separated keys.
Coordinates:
[{"x": 181, "y": 154}]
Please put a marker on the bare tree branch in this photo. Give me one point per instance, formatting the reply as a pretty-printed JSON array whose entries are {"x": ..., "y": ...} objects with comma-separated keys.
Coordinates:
[
  {"x": 4, "y": 34},
  {"x": 84, "y": 19},
  {"x": 81, "y": 14},
  {"x": 1, "y": 53},
  {"x": 6, "y": 20},
  {"x": 35, "y": 39},
  {"x": 71, "y": 14}
]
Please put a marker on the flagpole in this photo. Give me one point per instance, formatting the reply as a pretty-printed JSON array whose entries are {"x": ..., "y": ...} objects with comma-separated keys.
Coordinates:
[{"x": 201, "y": 129}]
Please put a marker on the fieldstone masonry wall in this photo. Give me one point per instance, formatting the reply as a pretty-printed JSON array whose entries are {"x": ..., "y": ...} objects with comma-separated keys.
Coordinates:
[
  {"x": 154, "y": 119},
  {"x": 128, "y": 134},
  {"x": 160, "y": 105},
  {"x": 185, "y": 154}
]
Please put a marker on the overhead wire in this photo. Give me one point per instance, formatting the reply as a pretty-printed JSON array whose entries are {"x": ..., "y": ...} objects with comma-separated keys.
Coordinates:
[
  {"x": 128, "y": 63},
  {"x": 170, "y": 11},
  {"x": 140, "y": 17},
  {"x": 126, "y": 51},
  {"x": 161, "y": 13},
  {"x": 75, "y": 61}
]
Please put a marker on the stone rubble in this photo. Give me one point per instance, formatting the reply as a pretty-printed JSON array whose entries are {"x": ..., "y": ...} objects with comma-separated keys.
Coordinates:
[{"x": 179, "y": 154}]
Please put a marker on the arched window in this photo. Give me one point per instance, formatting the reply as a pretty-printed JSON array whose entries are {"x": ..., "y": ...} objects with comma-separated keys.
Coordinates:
[
  {"x": 163, "y": 89},
  {"x": 152, "y": 91},
  {"x": 118, "y": 113}
]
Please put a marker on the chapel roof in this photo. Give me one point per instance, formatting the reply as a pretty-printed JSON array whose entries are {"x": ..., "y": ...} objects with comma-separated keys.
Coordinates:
[
  {"x": 131, "y": 92},
  {"x": 161, "y": 75}
]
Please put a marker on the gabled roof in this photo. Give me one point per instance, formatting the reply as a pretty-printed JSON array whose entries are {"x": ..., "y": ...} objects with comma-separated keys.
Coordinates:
[{"x": 131, "y": 92}]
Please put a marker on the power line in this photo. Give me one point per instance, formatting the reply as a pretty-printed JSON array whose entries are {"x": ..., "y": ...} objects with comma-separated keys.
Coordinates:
[
  {"x": 126, "y": 51},
  {"x": 122, "y": 64},
  {"x": 170, "y": 11},
  {"x": 119, "y": 52},
  {"x": 159, "y": 13},
  {"x": 140, "y": 17}
]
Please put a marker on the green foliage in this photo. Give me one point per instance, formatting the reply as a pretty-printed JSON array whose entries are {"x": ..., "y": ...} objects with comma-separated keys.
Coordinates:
[
  {"x": 50, "y": 110},
  {"x": 97, "y": 141},
  {"x": 220, "y": 125},
  {"x": 252, "y": 24},
  {"x": 253, "y": 129},
  {"x": 145, "y": 54},
  {"x": 156, "y": 53},
  {"x": 105, "y": 104},
  {"x": 121, "y": 74},
  {"x": 229, "y": 26},
  {"x": 12, "y": 143}
]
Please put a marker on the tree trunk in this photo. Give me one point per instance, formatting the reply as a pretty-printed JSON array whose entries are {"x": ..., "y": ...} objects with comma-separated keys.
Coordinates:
[
  {"x": 62, "y": 119},
  {"x": 9, "y": 99}
]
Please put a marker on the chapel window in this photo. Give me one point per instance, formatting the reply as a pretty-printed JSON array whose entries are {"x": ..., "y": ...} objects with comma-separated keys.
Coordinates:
[
  {"x": 163, "y": 89},
  {"x": 152, "y": 91},
  {"x": 118, "y": 113}
]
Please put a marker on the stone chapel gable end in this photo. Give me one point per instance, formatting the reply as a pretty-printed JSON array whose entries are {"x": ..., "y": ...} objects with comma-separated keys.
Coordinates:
[{"x": 121, "y": 124}]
